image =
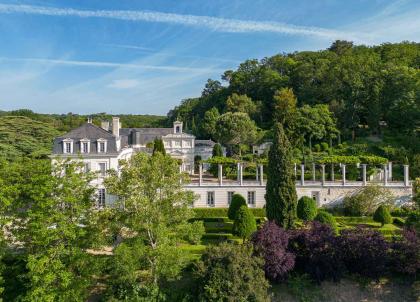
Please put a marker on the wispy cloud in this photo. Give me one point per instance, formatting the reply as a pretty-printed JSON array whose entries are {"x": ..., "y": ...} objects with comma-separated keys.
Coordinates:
[
  {"x": 110, "y": 64},
  {"x": 213, "y": 23},
  {"x": 124, "y": 84}
]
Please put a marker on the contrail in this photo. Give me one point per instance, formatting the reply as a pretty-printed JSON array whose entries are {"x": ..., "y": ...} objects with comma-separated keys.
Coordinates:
[{"x": 213, "y": 23}]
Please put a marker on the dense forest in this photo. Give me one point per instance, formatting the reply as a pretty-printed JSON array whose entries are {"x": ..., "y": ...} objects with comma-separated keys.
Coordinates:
[
  {"x": 367, "y": 97},
  {"x": 25, "y": 133}
]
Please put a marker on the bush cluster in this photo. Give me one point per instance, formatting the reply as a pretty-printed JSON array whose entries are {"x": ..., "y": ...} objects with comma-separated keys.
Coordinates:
[
  {"x": 363, "y": 251},
  {"x": 315, "y": 247},
  {"x": 271, "y": 243}
]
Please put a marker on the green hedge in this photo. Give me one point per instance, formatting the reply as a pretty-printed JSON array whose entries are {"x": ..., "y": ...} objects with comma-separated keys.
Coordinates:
[{"x": 222, "y": 212}]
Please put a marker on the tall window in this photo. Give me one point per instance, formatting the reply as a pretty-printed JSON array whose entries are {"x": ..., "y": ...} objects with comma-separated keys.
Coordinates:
[
  {"x": 230, "y": 195},
  {"x": 102, "y": 169},
  {"x": 177, "y": 129},
  {"x": 67, "y": 147},
  {"x": 101, "y": 198},
  {"x": 101, "y": 147},
  {"x": 210, "y": 199},
  {"x": 251, "y": 197},
  {"x": 84, "y": 147}
]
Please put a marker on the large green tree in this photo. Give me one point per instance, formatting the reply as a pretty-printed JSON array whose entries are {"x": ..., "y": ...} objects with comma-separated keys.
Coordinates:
[
  {"x": 281, "y": 198},
  {"x": 153, "y": 213},
  {"x": 236, "y": 128},
  {"x": 230, "y": 272},
  {"x": 54, "y": 212}
]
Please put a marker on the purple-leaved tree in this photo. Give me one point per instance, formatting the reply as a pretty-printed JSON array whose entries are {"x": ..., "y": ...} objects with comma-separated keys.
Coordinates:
[{"x": 271, "y": 243}]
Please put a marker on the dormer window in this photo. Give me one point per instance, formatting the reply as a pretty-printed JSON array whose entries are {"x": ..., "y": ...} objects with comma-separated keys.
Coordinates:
[
  {"x": 177, "y": 127},
  {"x": 102, "y": 145},
  {"x": 67, "y": 146},
  {"x": 84, "y": 146}
]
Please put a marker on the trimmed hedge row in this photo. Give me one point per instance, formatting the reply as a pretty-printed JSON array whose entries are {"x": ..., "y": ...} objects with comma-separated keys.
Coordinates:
[{"x": 222, "y": 212}]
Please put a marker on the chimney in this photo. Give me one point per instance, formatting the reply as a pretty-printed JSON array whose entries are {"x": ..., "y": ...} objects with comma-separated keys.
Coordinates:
[
  {"x": 105, "y": 125},
  {"x": 116, "y": 126}
]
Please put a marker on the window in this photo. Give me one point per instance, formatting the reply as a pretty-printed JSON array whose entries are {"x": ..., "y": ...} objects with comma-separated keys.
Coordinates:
[
  {"x": 101, "y": 146},
  {"x": 230, "y": 195},
  {"x": 101, "y": 198},
  {"x": 177, "y": 144},
  {"x": 177, "y": 129},
  {"x": 251, "y": 197},
  {"x": 86, "y": 167},
  {"x": 68, "y": 147},
  {"x": 102, "y": 169},
  {"x": 210, "y": 199},
  {"x": 84, "y": 147}
]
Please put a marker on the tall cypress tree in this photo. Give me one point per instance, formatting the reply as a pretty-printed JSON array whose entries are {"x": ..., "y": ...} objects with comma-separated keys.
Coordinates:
[
  {"x": 158, "y": 146},
  {"x": 281, "y": 198}
]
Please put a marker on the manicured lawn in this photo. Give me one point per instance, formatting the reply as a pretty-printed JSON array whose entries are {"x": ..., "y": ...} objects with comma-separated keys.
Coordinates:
[{"x": 220, "y": 229}]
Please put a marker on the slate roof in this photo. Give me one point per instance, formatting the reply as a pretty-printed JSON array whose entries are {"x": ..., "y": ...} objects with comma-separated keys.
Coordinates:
[
  {"x": 89, "y": 131},
  {"x": 204, "y": 143},
  {"x": 142, "y": 136}
]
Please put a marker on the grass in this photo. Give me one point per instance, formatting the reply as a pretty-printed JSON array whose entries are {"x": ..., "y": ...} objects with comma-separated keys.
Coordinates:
[{"x": 218, "y": 229}]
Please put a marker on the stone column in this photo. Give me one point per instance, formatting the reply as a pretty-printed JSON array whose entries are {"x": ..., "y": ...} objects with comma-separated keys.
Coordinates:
[
  {"x": 406, "y": 176},
  {"x": 200, "y": 174},
  {"x": 261, "y": 175},
  {"x": 343, "y": 170},
  {"x": 390, "y": 171},
  {"x": 256, "y": 173},
  {"x": 180, "y": 172},
  {"x": 241, "y": 179},
  {"x": 302, "y": 174},
  {"x": 238, "y": 172},
  {"x": 220, "y": 174},
  {"x": 332, "y": 172},
  {"x": 295, "y": 171},
  {"x": 385, "y": 175},
  {"x": 313, "y": 172},
  {"x": 364, "y": 174},
  {"x": 323, "y": 174}
]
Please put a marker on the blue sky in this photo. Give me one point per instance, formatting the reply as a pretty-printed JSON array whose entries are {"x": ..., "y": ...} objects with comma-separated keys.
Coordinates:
[{"x": 144, "y": 57}]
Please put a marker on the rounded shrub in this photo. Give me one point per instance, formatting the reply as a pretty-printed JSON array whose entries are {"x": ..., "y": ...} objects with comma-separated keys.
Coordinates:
[
  {"x": 326, "y": 218},
  {"x": 306, "y": 208},
  {"x": 244, "y": 225},
  {"x": 382, "y": 215},
  {"x": 237, "y": 201}
]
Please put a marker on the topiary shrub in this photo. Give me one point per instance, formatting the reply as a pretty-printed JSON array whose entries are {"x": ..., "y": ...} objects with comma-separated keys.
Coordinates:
[
  {"x": 315, "y": 248},
  {"x": 237, "y": 201},
  {"x": 364, "y": 251},
  {"x": 328, "y": 219},
  {"x": 405, "y": 253},
  {"x": 271, "y": 243},
  {"x": 244, "y": 225},
  {"x": 230, "y": 272},
  {"x": 306, "y": 208},
  {"x": 382, "y": 215}
]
